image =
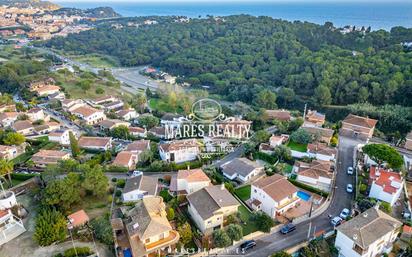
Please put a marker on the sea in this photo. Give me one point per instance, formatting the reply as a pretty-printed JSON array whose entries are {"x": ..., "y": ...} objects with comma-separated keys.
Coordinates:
[{"x": 377, "y": 15}]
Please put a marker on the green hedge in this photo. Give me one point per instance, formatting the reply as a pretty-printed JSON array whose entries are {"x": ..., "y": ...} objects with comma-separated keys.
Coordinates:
[
  {"x": 22, "y": 176},
  {"x": 81, "y": 252},
  {"x": 265, "y": 157},
  {"x": 118, "y": 169},
  {"x": 308, "y": 188}
]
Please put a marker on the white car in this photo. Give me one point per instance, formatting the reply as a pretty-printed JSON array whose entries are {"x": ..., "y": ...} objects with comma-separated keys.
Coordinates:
[
  {"x": 344, "y": 213},
  {"x": 349, "y": 188},
  {"x": 350, "y": 171},
  {"x": 336, "y": 221}
]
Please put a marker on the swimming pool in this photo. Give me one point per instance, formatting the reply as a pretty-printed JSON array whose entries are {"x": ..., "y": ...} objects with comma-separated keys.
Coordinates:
[{"x": 304, "y": 196}]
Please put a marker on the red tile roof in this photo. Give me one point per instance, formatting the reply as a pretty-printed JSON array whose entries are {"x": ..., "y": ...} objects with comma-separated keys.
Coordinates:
[
  {"x": 360, "y": 121},
  {"x": 388, "y": 180},
  {"x": 78, "y": 218}
]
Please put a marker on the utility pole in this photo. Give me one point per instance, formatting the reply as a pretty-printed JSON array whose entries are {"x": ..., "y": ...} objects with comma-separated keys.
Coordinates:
[
  {"x": 310, "y": 228},
  {"x": 304, "y": 111}
]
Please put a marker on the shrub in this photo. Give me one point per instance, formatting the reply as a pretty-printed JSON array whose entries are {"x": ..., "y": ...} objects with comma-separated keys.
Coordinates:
[
  {"x": 118, "y": 193},
  {"x": 121, "y": 183},
  {"x": 235, "y": 232},
  {"x": 308, "y": 188},
  {"x": 263, "y": 222},
  {"x": 170, "y": 213},
  {"x": 79, "y": 251},
  {"x": 221, "y": 239},
  {"x": 114, "y": 179},
  {"x": 103, "y": 230},
  {"x": 386, "y": 207},
  {"x": 165, "y": 195}
]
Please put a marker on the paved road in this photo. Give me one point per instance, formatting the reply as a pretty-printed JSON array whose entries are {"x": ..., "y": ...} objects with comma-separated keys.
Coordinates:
[
  {"x": 269, "y": 244},
  {"x": 134, "y": 79}
]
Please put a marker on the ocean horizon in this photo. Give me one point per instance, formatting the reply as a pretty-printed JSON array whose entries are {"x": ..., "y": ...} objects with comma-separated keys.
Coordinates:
[{"x": 379, "y": 15}]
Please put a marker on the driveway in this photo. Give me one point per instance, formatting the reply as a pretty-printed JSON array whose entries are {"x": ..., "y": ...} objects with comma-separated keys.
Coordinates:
[{"x": 269, "y": 244}]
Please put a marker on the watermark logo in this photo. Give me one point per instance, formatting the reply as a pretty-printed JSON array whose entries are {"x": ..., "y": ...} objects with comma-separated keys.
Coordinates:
[{"x": 206, "y": 120}]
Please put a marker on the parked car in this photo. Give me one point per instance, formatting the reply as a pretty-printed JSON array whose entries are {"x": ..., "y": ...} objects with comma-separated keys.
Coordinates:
[
  {"x": 287, "y": 228},
  {"x": 247, "y": 245},
  {"x": 349, "y": 188},
  {"x": 350, "y": 171},
  {"x": 344, "y": 213},
  {"x": 336, "y": 221}
]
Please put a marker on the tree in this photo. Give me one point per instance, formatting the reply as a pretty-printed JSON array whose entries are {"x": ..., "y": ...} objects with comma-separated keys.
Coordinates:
[
  {"x": 185, "y": 232},
  {"x": 263, "y": 221},
  {"x": 384, "y": 153},
  {"x": 220, "y": 238},
  {"x": 14, "y": 138},
  {"x": 94, "y": 180},
  {"x": 229, "y": 186},
  {"x": 234, "y": 231},
  {"x": 103, "y": 229},
  {"x": 63, "y": 193},
  {"x": 261, "y": 136},
  {"x": 170, "y": 213},
  {"x": 148, "y": 121},
  {"x": 301, "y": 136},
  {"x": 74, "y": 145},
  {"x": 51, "y": 226},
  {"x": 282, "y": 152},
  {"x": 295, "y": 124},
  {"x": 266, "y": 99},
  {"x": 121, "y": 132},
  {"x": 140, "y": 102},
  {"x": 322, "y": 96},
  {"x": 6, "y": 168},
  {"x": 281, "y": 254}
]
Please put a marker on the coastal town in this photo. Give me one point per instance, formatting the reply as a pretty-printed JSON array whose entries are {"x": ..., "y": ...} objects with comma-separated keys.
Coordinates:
[{"x": 97, "y": 160}]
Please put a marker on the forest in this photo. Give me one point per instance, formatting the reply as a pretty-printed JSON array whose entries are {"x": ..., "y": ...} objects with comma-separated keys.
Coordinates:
[{"x": 240, "y": 56}]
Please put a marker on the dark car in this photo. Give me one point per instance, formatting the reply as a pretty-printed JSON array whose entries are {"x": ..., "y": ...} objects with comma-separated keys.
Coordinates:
[
  {"x": 247, "y": 245},
  {"x": 287, "y": 228}
]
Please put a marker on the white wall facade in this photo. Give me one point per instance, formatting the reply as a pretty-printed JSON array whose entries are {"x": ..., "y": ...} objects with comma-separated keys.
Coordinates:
[{"x": 378, "y": 193}]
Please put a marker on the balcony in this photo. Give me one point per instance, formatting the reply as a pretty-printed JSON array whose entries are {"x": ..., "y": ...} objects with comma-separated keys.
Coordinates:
[
  {"x": 10, "y": 230},
  {"x": 170, "y": 240}
]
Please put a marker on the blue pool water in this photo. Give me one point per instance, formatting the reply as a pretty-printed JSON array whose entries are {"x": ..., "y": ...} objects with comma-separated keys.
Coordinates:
[
  {"x": 127, "y": 253},
  {"x": 304, "y": 196}
]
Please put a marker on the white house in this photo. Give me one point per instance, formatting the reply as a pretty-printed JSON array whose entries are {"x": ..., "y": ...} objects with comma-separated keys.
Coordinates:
[
  {"x": 89, "y": 114},
  {"x": 171, "y": 120},
  {"x": 316, "y": 174},
  {"x": 8, "y": 118},
  {"x": 385, "y": 185},
  {"x": 95, "y": 143},
  {"x": 128, "y": 114},
  {"x": 371, "y": 233},
  {"x": 138, "y": 187},
  {"x": 179, "y": 150},
  {"x": 138, "y": 131},
  {"x": 241, "y": 169},
  {"x": 321, "y": 151},
  {"x": 273, "y": 195},
  {"x": 36, "y": 114},
  {"x": 209, "y": 206},
  {"x": 72, "y": 104},
  {"x": 189, "y": 181},
  {"x": 126, "y": 159},
  {"x": 61, "y": 136}
]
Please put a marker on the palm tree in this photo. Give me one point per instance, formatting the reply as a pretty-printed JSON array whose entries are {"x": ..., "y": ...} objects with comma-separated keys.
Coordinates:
[{"x": 6, "y": 168}]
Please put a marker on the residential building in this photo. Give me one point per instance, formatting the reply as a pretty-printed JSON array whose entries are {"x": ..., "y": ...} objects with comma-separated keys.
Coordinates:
[
  {"x": 110, "y": 124},
  {"x": 147, "y": 227},
  {"x": 9, "y": 152},
  {"x": 408, "y": 142},
  {"x": 314, "y": 118},
  {"x": 189, "y": 181},
  {"x": 71, "y": 104},
  {"x": 317, "y": 174},
  {"x": 137, "y": 131},
  {"x": 386, "y": 185},
  {"x": 126, "y": 159},
  {"x": 266, "y": 148},
  {"x": 371, "y": 233},
  {"x": 23, "y": 127},
  {"x": 321, "y": 151},
  {"x": 113, "y": 106},
  {"x": 89, "y": 114},
  {"x": 357, "y": 126},
  {"x": 46, "y": 157},
  {"x": 36, "y": 114},
  {"x": 47, "y": 127},
  {"x": 8, "y": 118},
  {"x": 61, "y": 136},
  {"x": 127, "y": 114},
  {"x": 46, "y": 90},
  {"x": 319, "y": 134},
  {"x": 241, "y": 169},
  {"x": 159, "y": 132},
  {"x": 104, "y": 99},
  {"x": 235, "y": 128},
  {"x": 273, "y": 195},
  {"x": 95, "y": 143},
  {"x": 277, "y": 140},
  {"x": 78, "y": 219},
  {"x": 10, "y": 225},
  {"x": 282, "y": 115},
  {"x": 179, "y": 150},
  {"x": 209, "y": 206},
  {"x": 137, "y": 147},
  {"x": 138, "y": 187},
  {"x": 172, "y": 120},
  {"x": 7, "y": 108}
]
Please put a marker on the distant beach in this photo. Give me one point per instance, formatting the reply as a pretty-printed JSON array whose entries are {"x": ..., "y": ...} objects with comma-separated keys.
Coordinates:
[{"x": 376, "y": 15}]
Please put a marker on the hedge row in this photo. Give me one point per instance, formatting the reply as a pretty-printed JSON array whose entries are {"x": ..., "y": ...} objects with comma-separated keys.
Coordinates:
[
  {"x": 309, "y": 188},
  {"x": 265, "y": 157}
]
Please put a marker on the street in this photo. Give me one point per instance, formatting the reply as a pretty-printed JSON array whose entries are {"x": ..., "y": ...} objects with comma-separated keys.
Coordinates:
[{"x": 269, "y": 244}]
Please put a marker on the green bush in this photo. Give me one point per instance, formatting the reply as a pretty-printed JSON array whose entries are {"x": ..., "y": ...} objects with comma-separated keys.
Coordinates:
[
  {"x": 114, "y": 179},
  {"x": 386, "y": 207},
  {"x": 116, "y": 169},
  {"x": 265, "y": 157},
  {"x": 118, "y": 193},
  {"x": 22, "y": 177},
  {"x": 121, "y": 183},
  {"x": 166, "y": 196},
  {"x": 79, "y": 251}
]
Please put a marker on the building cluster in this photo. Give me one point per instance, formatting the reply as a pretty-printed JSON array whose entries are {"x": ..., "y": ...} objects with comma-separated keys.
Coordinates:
[{"x": 41, "y": 23}]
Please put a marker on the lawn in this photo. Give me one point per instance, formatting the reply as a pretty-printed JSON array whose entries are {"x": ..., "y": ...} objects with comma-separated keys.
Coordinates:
[
  {"x": 160, "y": 105},
  {"x": 98, "y": 61},
  {"x": 243, "y": 192},
  {"x": 297, "y": 147},
  {"x": 248, "y": 225}
]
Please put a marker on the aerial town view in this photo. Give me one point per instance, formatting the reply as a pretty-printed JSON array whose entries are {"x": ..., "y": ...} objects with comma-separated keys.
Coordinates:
[{"x": 267, "y": 128}]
